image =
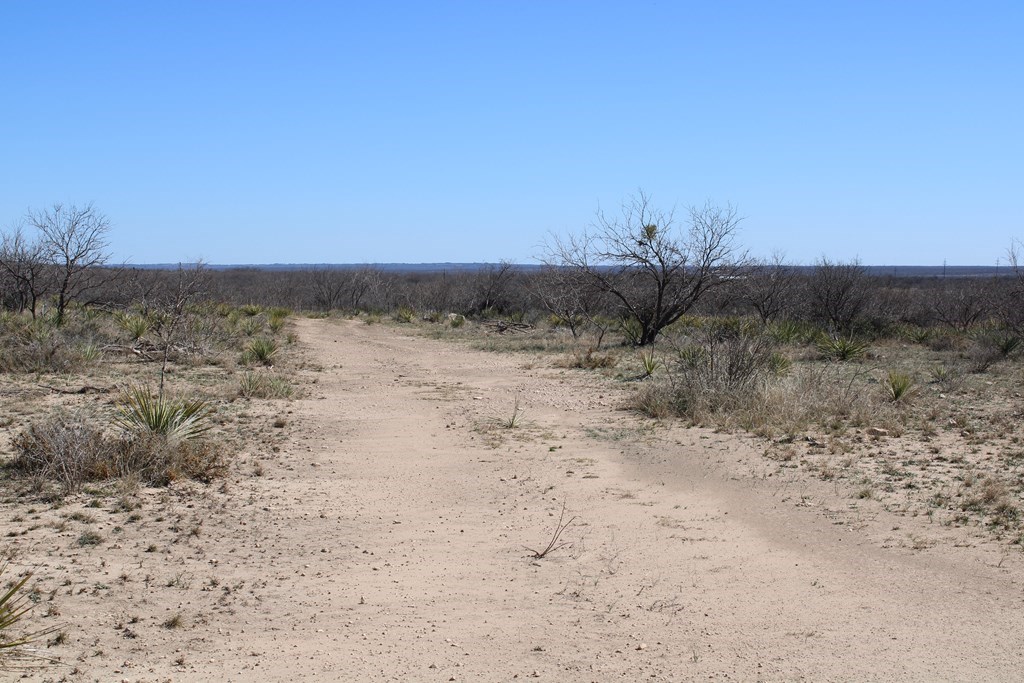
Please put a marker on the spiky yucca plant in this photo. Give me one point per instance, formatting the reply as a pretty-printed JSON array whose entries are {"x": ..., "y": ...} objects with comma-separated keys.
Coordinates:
[
  {"x": 142, "y": 411},
  {"x": 899, "y": 386},
  {"x": 842, "y": 348},
  {"x": 260, "y": 350},
  {"x": 14, "y": 605}
]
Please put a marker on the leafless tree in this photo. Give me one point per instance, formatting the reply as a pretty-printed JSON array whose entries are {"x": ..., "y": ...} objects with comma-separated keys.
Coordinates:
[
  {"x": 769, "y": 287},
  {"x": 1010, "y": 309},
  {"x": 170, "y": 310},
  {"x": 838, "y": 293},
  {"x": 491, "y": 285},
  {"x": 74, "y": 242},
  {"x": 653, "y": 270},
  {"x": 962, "y": 304},
  {"x": 24, "y": 266}
]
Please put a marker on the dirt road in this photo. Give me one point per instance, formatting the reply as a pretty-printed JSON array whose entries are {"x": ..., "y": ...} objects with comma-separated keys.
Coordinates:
[{"x": 386, "y": 541}]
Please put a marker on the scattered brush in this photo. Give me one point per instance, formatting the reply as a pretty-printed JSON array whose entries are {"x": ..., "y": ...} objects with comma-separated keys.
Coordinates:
[{"x": 141, "y": 410}]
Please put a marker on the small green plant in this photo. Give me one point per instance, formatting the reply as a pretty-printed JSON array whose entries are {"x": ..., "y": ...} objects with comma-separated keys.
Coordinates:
[
  {"x": 648, "y": 363},
  {"x": 89, "y": 538},
  {"x": 456, "y": 320},
  {"x": 276, "y": 321},
  {"x": 135, "y": 325},
  {"x": 842, "y": 348},
  {"x": 779, "y": 364},
  {"x": 261, "y": 385},
  {"x": 516, "y": 418},
  {"x": 251, "y": 326},
  {"x": 89, "y": 352},
  {"x": 250, "y": 309},
  {"x": 405, "y": 314},
  {"x": 1007, "y": 344},
  {"x": 142, "y": 411},
  {"x": 260, "y": 350},
  {"x": 899, "y": 386}
]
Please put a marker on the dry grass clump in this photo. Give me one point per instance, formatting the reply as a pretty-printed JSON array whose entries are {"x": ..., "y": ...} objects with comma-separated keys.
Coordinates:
[
  {"x": 38, "y": 345},
  {"x": 734, "y": 376},
  {"x": 71, "y": 451},
  {"x": 590, "y": 359},
  {"x": 264, "y": 385}
]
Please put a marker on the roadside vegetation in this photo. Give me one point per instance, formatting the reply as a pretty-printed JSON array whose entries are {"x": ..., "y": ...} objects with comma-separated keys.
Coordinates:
[{"x": 120, "y": 381}]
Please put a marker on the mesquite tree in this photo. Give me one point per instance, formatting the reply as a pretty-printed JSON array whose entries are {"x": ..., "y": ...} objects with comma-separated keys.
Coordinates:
[{"x": 654, "y": 269}]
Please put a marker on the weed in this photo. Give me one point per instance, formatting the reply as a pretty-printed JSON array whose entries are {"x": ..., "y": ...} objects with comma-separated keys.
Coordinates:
[
  {"x": 516, "y": 418},
  {"x": 554, "y": 545}
]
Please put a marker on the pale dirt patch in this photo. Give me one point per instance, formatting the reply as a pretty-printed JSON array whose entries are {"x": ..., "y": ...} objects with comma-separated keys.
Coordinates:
[{"x": 386, "y": 541}]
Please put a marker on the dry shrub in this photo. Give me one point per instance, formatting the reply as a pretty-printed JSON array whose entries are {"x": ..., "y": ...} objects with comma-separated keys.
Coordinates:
[
  {"x": 732, "y": 377},
  {"x": 589, "y": 360},
  {"x": 71, "y": 451},
  {"x": 64, "y": 449}
]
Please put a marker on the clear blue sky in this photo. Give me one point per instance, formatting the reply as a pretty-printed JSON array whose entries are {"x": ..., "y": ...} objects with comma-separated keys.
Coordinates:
[{"x": 254, "y": 132}]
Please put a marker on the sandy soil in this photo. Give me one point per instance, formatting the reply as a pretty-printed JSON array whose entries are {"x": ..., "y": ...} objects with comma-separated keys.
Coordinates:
[{"x": 386, "y": 540}]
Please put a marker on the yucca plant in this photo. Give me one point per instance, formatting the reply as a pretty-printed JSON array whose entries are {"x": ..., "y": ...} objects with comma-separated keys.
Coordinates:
[
  {"x": 250, "y": 309},
  {"x": 135, "y": 325},
  {"x": 142, "y": 411},
  {"x": 260, "y": 350},
  {"x": 276, "y": 321},
  {"x": 251, "y": 326},
  {"x": 842, "y": 348},
  {"x": 89, "y": 352},
  {"x": 649, "y": 363},
  {"x": 14, "y": 605},
  {"x": 899, "y": 386}
]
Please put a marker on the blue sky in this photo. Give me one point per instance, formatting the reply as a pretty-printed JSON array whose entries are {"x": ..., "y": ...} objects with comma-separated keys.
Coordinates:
[{"x": 257, "y": 132}]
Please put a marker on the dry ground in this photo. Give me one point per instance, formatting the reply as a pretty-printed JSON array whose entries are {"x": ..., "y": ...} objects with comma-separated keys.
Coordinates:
[{"x": 384, "y": 539}]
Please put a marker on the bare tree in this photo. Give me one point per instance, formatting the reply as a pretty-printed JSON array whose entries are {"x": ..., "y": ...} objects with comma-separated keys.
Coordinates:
[
  {"x": 74, "y": 241},
  {"x": 23, "y": 265},
  {"x": 491, "y": 285},
  {"x": 171, "y": 310},
  {"x": 962, "y": 304},
  {"x": 838, "y": 293},
  {"x": 654, "y": 271},
  {"x": 769, "y": 287}
]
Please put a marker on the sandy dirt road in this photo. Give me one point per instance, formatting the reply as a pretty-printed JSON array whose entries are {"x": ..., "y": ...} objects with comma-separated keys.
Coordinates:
[{"x": 387, "y": 539}]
